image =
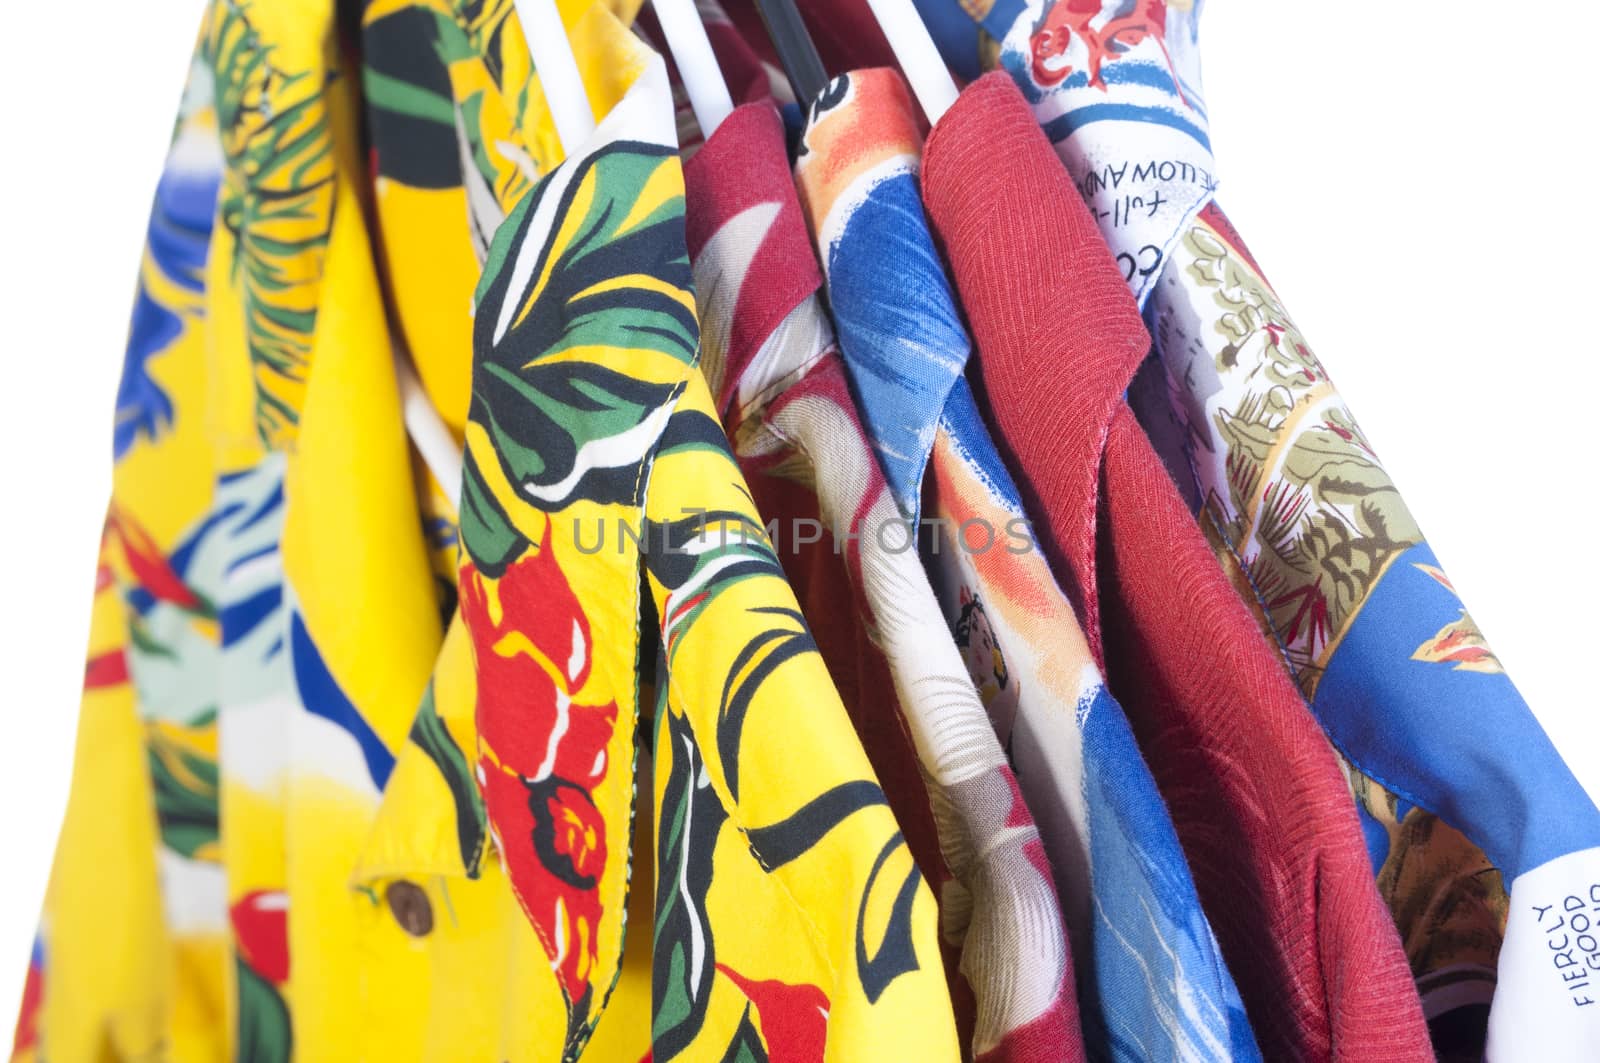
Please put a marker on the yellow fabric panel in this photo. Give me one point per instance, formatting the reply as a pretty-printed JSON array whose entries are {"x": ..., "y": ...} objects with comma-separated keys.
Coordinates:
[
  {"x": 352, "y": 542},
  {"x": 254, "y": 845},
  {"x": 455, "y": 684},
  {"x": 488, "y": 991},
  {"x": 623, "y": 1032},
  {"x": 198, "y": 1031},
  {"x": 272, "y": 64},
  {"x": 796, "y": 743},
  {"x": 106, "y": 975},
  {"x": 362, "y": 992},
  {"x": 431, "y": 273},
  {"x": 432, "y": 270},
  {"x": 229, "y": 406},
  {"x": 609, "y": 57},
  {"x": 414, "y": 834},
  {"x": 359, "y": 570}
]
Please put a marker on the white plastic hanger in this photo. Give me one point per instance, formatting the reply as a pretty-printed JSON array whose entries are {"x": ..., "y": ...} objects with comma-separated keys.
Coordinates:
[
  {"x": 557, "y": 70},
  {"x": 696, "y": 63},
  {"x": 428, "y": 430},
  {"x": 913, "y": 46}
]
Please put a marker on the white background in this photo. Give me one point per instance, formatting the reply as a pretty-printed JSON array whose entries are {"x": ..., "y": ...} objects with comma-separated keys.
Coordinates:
[{"x": 1418, "y": 181}]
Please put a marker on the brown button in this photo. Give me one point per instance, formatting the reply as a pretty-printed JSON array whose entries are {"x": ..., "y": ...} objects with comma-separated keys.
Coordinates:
[{"x": 411, "y": 907}]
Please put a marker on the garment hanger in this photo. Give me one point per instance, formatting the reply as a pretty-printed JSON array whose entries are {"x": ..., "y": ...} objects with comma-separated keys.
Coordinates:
[
  {"x": 697, "y": 64},
  {"x": 428, "y": 431},
  {"x": 801, "y": 63},
  {"x": 557, "y": 70},
  {"x": 918, "y": 56}
]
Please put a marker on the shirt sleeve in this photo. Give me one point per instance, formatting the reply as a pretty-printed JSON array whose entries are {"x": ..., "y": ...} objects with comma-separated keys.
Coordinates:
[{"x": 96, "y": 983}]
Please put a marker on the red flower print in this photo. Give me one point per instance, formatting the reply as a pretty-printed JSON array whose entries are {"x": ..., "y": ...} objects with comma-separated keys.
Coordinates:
[
  {"x": 261, "y": 930},
  {"x": 1093, "y": 33},
  {"x": 152, "y": 570},
  {"x": 105, "y": 670},
  {"x": 568, "y": 833},
  {"x": 542, "y": 750},
  {"x": 794, "y": 1018}
]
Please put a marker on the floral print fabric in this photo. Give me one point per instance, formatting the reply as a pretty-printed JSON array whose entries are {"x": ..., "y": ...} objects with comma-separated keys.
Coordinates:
[
  {"x": 1381, "y": 644},
  {"x": 1299, "y": 508},
  {"x": 306, "y": 793},
  {"x": 793, "y": 416},
  {"x": 392, "y": 765},
  {"x": 1120, "y": 874}
]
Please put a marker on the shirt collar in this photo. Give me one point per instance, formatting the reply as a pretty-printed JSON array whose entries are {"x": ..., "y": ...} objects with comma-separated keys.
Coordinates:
[
  {"x": 899, "y": 333},
  {"x": 742, "y": 217},
  {"x": 1116, "y": 88},
  {"x": 431, "y": 820}
]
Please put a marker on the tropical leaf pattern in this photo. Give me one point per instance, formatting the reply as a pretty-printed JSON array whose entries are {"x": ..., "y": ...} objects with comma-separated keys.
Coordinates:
[
  {"x": 264, "y": 1033},
  {"x": 580, "y": 269},
  {"x": 447, "y": 85},
  {"x": 231, "y": 568},
  {"x": 594, "y": 462},
  {"x": 460, "y": 133},
  {"x": 691, "y": 819},
  {"x": 736, "y": 650},
  {"x": 184, "y": 772},
  {"x": 1295, "y": 500},
  {"x": 1293, "y": 484},
  {"x": 430, "y": 733},
  {"x": 277, "y": 192},
  {"x": 746, "y": 1046}
]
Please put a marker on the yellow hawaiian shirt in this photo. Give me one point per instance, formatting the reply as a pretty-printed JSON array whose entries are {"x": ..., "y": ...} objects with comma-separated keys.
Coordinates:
[{"x": 360, "y": 779}]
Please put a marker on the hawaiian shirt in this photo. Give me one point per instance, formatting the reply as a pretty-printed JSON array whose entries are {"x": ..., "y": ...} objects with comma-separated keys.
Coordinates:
[
  {"x": 1388, "y": 656},
  {"x": 211, "y": 404},
  {"x": 1253, "y": 786},
  {"x": 254, "y": 499},
  {"x": 1131, "y": 907},
  {"x": 791, "y": 414},
  {"x": 589, "y": 418},
  {"x": 1299, "y": 507},
  {"x": 295, "y": 793},
  {"x": 755, "y": 285}
]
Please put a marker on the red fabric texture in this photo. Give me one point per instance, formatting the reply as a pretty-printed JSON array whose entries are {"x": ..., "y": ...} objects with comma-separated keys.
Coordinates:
[
  {"x": 733, "y": 173},
  {"x": 1262, "y": 810},
  {"x": 743, "y": 166}
]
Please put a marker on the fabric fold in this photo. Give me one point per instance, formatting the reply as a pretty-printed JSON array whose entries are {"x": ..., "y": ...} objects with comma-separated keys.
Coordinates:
[
  {"x": 795, "y": 421},
  {"x": 1254, "y": 789}
]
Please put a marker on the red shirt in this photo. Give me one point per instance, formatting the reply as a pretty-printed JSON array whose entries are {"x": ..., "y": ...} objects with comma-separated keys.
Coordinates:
[{"x": 1261, "y": 807}]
